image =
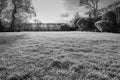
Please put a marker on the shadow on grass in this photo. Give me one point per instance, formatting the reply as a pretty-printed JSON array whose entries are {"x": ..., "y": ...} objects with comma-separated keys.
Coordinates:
[{"x": 9, "y": 39}]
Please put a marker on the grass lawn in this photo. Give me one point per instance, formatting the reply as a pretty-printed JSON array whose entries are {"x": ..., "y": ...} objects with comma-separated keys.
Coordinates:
[{"x": 59, "y": 56}]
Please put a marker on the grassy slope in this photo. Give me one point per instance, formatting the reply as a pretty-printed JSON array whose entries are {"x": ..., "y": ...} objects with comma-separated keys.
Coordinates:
[{"x": 59, "y": 56}]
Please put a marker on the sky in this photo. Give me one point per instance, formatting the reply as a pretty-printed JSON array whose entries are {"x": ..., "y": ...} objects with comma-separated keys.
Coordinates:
[{"x": 50, "y": 11}]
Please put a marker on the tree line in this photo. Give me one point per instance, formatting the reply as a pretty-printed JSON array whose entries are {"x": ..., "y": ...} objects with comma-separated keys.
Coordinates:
[{"x": 14, "y": 15}]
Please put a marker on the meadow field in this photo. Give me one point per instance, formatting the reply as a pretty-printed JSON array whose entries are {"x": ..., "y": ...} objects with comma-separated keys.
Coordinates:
[{"x": 59, "y": 56}]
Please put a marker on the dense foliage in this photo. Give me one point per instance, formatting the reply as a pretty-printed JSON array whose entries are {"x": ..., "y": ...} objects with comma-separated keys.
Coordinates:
[
  {"x": 117, "y": 11},
  {"x": 110, "y": 16},
  {"x": 14, "y": 13},
  {"x": 106, "y": 26},
  {"x": 85, "y": 24},
  {"x": 110, "y": 21}
]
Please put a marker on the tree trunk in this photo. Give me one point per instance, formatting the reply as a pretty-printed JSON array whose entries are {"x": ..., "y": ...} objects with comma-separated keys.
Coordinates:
[
  {"x": 95, "y": 14},
  {"x": 12, "y": 26},
  {"x": 89, "y": 14},
  {"x": 1, "y": 26},
  {"x": 118, "y": 16}
]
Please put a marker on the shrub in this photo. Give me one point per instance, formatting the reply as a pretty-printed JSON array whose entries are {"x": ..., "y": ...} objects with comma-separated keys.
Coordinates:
[
  {"x": 75, "y": 22},
  {"x": 118, "y": 29},
  {"x": 75, "y": 18},
  {"x": 1, "y": 27},
  {"x": 110, "y": 16},
  {"x": 65, "y": 27},
  {"x": 98, "y": 19},
  {"x": 79, "y": 23},
  {"x": 112, "y": 19},
  {"x": 86, "y": 24},
  {"x": 106, "y": 26}
]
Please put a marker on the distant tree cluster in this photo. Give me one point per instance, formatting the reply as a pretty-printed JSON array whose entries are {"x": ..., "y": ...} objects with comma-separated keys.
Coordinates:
[
  {"x": 106, "y": 19},
  {"x": 40, "y": 27}
]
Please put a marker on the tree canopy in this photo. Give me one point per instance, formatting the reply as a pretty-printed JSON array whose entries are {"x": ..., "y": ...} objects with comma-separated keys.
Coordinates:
[{"x": 16, "y": 11}]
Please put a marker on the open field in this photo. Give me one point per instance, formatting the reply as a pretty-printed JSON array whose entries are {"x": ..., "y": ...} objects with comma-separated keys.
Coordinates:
[{"x": 59, "y": 56}]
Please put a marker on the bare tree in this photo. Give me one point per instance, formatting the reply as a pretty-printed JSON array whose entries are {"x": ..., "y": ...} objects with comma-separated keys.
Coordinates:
[{"x": 90, "y": 4}]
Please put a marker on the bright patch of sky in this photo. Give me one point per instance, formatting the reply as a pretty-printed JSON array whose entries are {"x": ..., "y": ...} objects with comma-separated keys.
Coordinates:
[{"x": 50, "y": 11}]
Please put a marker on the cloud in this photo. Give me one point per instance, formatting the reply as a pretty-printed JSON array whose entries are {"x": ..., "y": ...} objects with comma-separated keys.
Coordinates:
[
  {"x": 64, "y": 15},
  {"x": 71, "y": 4}
]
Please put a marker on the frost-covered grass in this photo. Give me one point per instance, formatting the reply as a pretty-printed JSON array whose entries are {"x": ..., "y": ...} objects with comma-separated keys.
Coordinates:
[{"x": 59, "y": 56}]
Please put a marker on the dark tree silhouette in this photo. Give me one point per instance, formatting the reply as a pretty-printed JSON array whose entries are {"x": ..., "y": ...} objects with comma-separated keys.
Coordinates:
[{"x": 115, "y": 6}]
